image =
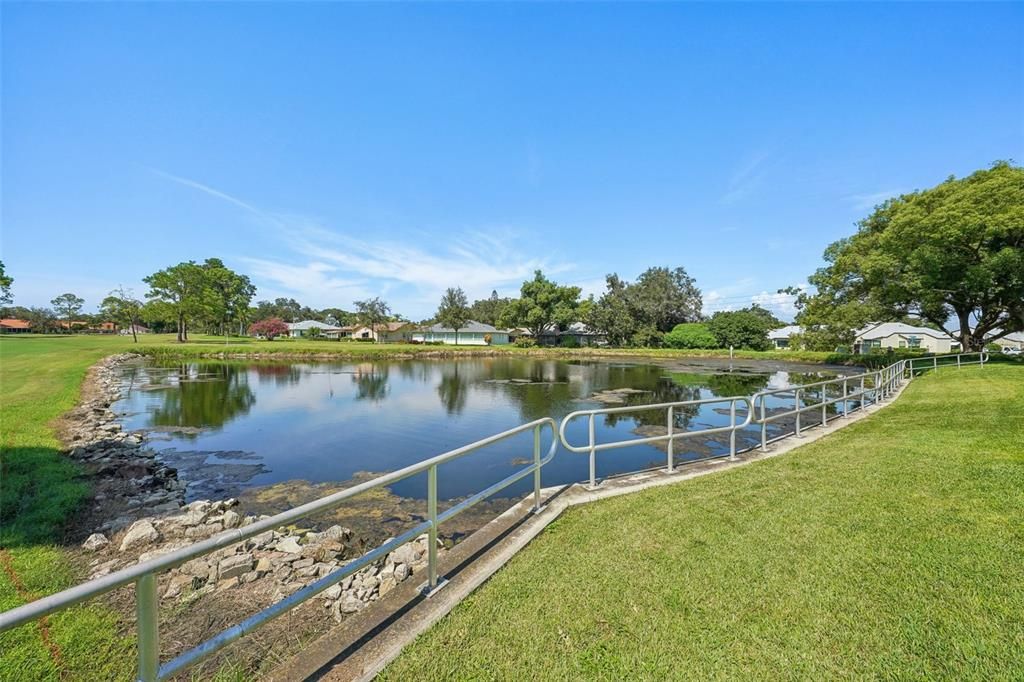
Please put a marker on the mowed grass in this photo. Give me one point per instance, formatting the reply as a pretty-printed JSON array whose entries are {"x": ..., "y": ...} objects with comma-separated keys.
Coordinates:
[
  {"x": 892, "y": 549},
  {"x": 40, "y": 379}
]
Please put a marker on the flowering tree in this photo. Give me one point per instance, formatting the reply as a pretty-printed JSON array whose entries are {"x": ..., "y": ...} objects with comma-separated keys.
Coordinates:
[{"x": 275, "y": 326}]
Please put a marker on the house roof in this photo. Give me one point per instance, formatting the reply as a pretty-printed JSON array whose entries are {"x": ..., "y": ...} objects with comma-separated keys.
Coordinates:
[
  {"x": 395, "y": 326},
  {"x": 885, "y": 329},
  {"x": 306, "y": 325},
  {"x": 472, "y": 326},
  {"x": 785, "y": 332},
  {"x": 14, "y": 323},
  {"x": 574, "y": 328}
]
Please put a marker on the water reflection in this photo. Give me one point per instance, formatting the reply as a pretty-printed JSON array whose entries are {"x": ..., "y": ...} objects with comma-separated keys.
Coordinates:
[
  {"x": 209, "y": 397},
  {"x": 324, "y": 422}
]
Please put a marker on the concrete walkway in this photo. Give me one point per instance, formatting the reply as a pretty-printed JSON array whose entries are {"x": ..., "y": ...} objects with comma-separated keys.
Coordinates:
[{"x": 365, "y": 643}]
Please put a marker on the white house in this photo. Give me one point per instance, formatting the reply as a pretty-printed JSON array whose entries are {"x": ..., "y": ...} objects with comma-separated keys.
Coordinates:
[
  {"x": 900, "y": 335},
  {"x": 779, "y": 338},
  {"x": 1014, "y": 340},
  {"x": 299, "y": 329},
  {"x": 473, "y": 334}
]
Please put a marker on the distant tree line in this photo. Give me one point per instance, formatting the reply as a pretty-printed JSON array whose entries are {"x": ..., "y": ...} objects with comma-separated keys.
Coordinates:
[{"x": 950, "y": 257}]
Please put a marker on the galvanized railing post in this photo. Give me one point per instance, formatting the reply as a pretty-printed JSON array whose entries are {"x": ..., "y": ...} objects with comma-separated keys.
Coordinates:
[
  {"x": 796, "y": 406},
  {"x": 432, "y": 533},
  {"x": 958, "y": 361},
  {"x": 860, "y": 396},
  {"x": 824, "y": 406},
  {"x": 732, "y": 432},
  {"x": 536, "y": 471},
  {"x": 593, "y": 455},
  {"x": 764, "y": 428},
  {"x": 148, "y": 626},
  {"x": 846, "y": 400},
  {"x": 935, "y": 362},
  {"x": 671, "y": 426}
]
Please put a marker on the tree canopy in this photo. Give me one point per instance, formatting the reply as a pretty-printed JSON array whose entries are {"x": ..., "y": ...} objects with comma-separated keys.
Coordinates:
[
  {"x": 639, "y": 313},
  {"x": 453, "y": 311},
  {"x": 747, "y": 328},
  {"x": 542, "y": 304},
  {"x": 488, "y": 310},
  {"x": 372, "y": 312},
  {"x": 68, "y": 306},
  {"x": 952, "y": 255},
  {"x": 122, "y": 307},
  {"x": 5, "y": 285}
]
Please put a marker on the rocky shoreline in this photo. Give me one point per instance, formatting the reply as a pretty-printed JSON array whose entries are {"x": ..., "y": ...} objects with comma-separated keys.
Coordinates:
[{"x": 139, "y": 513}]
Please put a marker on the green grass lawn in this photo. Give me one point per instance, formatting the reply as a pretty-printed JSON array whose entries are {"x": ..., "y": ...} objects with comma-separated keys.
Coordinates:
[
  {"x": 892, "y": 549},
  {"x": 40, "y": 379}
]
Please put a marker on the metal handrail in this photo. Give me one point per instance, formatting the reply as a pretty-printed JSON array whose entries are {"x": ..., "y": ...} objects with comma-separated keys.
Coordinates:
[
  {"x": 982, "y": 359},
  {"x": 670, "y": 436},
  {"x": 144, "y": 574},
  {"x": 884, "y": 382}
]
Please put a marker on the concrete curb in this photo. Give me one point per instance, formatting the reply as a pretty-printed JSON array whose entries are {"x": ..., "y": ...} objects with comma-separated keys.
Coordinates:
[{"x": 363, "y": 645}]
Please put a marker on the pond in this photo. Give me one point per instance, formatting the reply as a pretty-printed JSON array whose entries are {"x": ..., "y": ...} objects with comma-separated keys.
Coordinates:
[{"x": 232, "y": 426}]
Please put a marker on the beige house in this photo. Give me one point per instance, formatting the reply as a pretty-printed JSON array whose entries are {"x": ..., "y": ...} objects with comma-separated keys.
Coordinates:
[
  {"x": 387, "y": 332},
  {"x": 899, "y": 335},
  {"x": 1014, "y": 340}
]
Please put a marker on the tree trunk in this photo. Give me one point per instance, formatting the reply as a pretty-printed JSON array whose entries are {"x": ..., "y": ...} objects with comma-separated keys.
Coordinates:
[{"x": 181, "y": 328}]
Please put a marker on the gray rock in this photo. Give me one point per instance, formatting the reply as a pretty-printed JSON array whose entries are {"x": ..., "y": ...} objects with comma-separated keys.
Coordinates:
[
  {"x": 387, "y": 584},
  {"x": 401, "y": 572},
  {"x": 95, "y": 542},
  {"x": 141, "y": 533},
  {"x": 231, "y": 519},
  {"x": 234, "y": 566},
  {"x": 350, "y": 604},
  {"x": 406, "y": 554},
  {"x": 339, "y": 533},
  {"x": 290, "y": 545}
]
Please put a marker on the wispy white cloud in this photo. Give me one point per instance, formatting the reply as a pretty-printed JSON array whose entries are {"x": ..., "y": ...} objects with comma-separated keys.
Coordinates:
[
  {"x": 730, "y": 298},
  {"x": 748, "y": 176},
  {"x": 782, "y": 306},
  {"x": 866, "y": 202},
  {"x": 224, "y": 196},
  {"x": 326, "y": 267}
]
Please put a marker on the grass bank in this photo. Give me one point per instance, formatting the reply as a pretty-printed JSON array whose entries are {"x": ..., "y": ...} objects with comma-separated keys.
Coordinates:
[
  {"x": 40, "y": 379},
  {"x": 891, "y": 549}
]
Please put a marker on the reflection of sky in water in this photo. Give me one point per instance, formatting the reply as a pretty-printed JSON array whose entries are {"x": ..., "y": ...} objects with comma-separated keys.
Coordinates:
[{"x": 325, "y": 422}]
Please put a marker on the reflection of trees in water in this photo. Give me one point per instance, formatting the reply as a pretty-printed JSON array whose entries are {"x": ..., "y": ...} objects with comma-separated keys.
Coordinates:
[
  {"x": 683, "y": 387},
  {"x": 453, "y": 390},
  {"x": 371, "y": 381},
  {"x": 278, "y": 374},
  {"x": 212, "y": 400}
]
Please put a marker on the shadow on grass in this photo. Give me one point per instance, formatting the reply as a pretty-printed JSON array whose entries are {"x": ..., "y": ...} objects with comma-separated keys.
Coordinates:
[{"x": 40, "y": 490}]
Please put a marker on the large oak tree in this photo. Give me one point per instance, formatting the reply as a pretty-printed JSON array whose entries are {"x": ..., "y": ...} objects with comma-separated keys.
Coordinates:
[{"x": 952, "y": 255}]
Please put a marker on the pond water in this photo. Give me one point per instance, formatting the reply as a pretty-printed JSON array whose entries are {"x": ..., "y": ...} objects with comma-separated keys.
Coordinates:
[{"x": 229, "y": 426}]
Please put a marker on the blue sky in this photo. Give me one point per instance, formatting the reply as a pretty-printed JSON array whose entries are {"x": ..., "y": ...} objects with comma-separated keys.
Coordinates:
[{"x": 336, "y": 151}]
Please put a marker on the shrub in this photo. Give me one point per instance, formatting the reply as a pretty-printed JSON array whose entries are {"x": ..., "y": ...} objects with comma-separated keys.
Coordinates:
[
  {"x": 487, "y": 339},
  {"x": 690, "y": 335},
  {"x": 740, "y": 329},
  {"x": 646, "y": 336},
  {"x": 525, "y": 342},
  {"x": 568, "y": 342},
  {"x": 269, "y": 328}
]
